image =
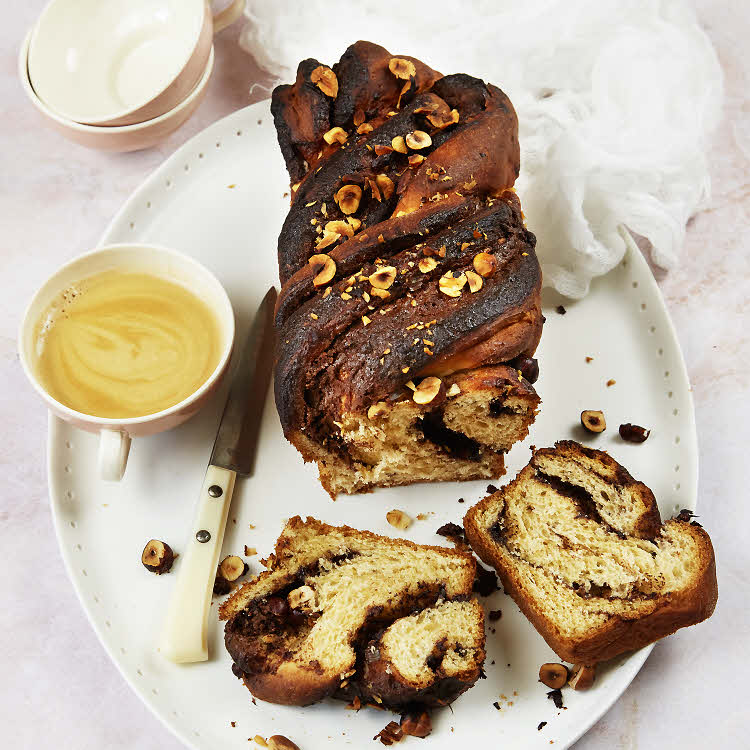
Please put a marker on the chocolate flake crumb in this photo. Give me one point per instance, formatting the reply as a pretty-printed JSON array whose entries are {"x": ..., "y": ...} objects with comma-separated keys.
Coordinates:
[
  {"x": 495, "y": 615},
  {"x": 451, "y": 531},
  {"x": 390, "y": 734},
  {"x": 460, "y": 499},
  {"x": 633, "y": 433},
  {"x": 491, "y": 488},
  {"x": 541, "y": 725},
  {"x": 556, "y": 697},
  {"x": 496, "y": 705},
  {"x": 485, "y": 582},
  {"x": 560, "y": 310}
]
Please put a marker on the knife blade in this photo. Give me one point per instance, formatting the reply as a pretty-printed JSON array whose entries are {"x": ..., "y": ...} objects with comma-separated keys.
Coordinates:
[
  {"x": 237, "y": 437},
  {"x": 184, "y": 634}
]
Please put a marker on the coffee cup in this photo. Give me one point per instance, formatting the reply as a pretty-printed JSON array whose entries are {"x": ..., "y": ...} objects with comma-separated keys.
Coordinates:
[{"x": 161, "y": 263}]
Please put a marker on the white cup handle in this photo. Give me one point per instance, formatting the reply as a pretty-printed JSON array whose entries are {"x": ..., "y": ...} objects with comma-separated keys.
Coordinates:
[
  {"x": 114, "y": 446},
  {"x": 229, "y": 15}
]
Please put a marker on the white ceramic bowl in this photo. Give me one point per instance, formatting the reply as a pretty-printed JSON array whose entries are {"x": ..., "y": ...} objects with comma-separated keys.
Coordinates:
[
  {"x": 117, "y": 138},
  {"x": 118, "y": 62}
]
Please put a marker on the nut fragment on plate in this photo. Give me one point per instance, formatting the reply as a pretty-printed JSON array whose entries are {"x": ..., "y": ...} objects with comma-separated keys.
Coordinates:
[
  {"x": 428, "y": 390},
  {"x": 323, "y": 268},
  {"x": 383, "y": 278},
  {"x": 232, "y": 567},
  {"x": 484, "y": 264},
  {"x": 475, "y": 281},
  {"x": 279, "y": 742},
  {"x": 416, "y": 724},
  {"x": 553, "y": 675},
  {"x": 302, "y": 598},
  {"x": 634, "y": 433},
  {"x": 452, "y": 285},
  {"x": 348, "y": 198},
  {"x": 418, "y": 139},
  {"x": 325, "y": 79},
  {"x": 157, "y": 556},
  {"x": 582, "y": 677},
  {"x": 593, "y": 420},
  {"x": 390, "y": 734},
  {"x": 401, "y": 68},
  {"x": 335, "y": 135},
  {"x": 398, "y": 519}
]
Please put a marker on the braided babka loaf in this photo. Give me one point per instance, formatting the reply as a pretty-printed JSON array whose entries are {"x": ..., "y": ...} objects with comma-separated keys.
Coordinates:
[
  {"x": 352, "y": 615},
  {"x": 409, "y": 309}
]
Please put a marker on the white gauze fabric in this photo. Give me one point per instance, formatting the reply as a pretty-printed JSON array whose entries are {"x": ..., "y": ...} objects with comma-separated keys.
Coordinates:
[{"x": 615, "y": 101}]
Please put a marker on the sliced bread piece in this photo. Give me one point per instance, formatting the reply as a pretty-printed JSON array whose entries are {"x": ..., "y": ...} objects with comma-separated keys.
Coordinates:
[
  {"x": 347, "y": 613},
  {"x": 579, "y": 545}
]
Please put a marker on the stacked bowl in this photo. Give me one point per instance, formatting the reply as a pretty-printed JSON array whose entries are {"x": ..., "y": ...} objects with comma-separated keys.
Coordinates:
[{"x": 121, "y": 75}]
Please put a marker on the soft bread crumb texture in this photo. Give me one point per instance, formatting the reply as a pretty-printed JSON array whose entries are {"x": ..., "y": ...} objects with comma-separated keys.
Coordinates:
[{"x": 580, "y": 546}]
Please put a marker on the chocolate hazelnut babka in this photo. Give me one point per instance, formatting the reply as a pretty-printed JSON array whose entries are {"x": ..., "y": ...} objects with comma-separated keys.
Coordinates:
[
  {"x": 409, "y": 310},
  {"x": 580, "y": 546},
  {"x": 352, "y": 615}
]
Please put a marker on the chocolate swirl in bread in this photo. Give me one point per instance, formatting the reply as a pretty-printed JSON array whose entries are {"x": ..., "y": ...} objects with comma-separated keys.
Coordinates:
[{"x": 404, "y": 256}]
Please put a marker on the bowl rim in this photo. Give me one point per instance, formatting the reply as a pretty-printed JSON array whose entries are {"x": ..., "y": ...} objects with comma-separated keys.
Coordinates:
[
  {"x": 115, "y": 422},
  {"x": 23, "y": 72},
  {"x": 101, "y": 120}
]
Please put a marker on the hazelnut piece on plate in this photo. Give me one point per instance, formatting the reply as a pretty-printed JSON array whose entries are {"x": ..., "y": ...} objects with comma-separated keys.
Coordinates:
[
  {"x": 232, "y": 567},
  {"x": 279, "y": 742},
  {"x": 634, "y": 433},
  {"x": 553, "y": 675},
  {"x": 221, "y": 586},
  {"x": 416, "y": 724},
  {"x": 593, "y": 420},
  {"x": 398, "y": 519},
  {"x": 582, "y": 677},
  {"x": 157, "y": 556}
]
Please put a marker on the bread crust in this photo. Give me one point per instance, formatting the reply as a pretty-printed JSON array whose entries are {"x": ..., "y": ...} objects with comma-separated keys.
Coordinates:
[{"x": 618, "y": 634}]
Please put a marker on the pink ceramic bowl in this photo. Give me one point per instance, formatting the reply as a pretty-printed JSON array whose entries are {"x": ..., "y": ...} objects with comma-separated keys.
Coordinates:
[
  {"x": 115, "y": 434},
  {"x": 117, "y": 138},
  {"x": 121, "y": 62}
]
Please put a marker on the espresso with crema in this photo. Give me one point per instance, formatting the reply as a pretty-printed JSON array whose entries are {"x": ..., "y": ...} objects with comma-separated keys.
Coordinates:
[{"x": 126, "y": 344}]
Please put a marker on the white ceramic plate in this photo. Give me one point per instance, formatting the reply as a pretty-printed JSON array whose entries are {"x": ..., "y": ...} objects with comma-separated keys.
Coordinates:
[{"x": 219, "y": 198}]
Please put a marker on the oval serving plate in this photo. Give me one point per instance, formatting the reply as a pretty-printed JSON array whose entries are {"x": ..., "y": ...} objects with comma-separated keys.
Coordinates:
[{"x": 221, "y": 198}]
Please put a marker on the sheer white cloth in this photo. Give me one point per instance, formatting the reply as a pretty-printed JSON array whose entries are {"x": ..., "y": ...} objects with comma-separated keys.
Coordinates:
[{"x": 615, "y": 100}]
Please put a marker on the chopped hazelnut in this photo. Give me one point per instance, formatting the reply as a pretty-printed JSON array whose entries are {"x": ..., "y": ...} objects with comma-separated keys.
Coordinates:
[
  {"x": 382, "y": 293},
  {"x": 348, "y": 198},
  {"x": 475, "y": 281},
  {"x": 364, "y": 128},
  {"x": 335, "y": 135},
  {"x": 327, "y": 239},
  {"x": 402, "y": 68},
  {"x": 302, "y": 598},
  {"x": 634, "y": 433},
  {"x": 440, "y": 121},
  {"x": 398, "y": 519},
  {"x": 593, "y": 420},
  {"x": 359, "y": 117},
  {"x": 157, "y": 556},
  {"x": 485, "y": 264},
  {"x": 450, "y": 285},
  {"x": 399, "y": 144},
  {"x": 385, "y": 184},
  {"x": 232, "y": 567},
  {"x": 415, "y": 160},
  {"x": 380, "y": 409},
  {"x": 428, "y": 390},
  {"x": 427, "y": 264},
  {"x": 553, "y": 675},
  {"x": 279, "y": 742},
  {"x": 418, "y": 139},
  {"x": 381, "y": 149},
  {"x": 340, "y": 227},
  {"x": 323, "y": 268},
  {"x": 325, "y": 79},
  {"x": 454, "y": 390},
  {"x": 582, "y": 677},
  {"x": 383, "y": 278}
]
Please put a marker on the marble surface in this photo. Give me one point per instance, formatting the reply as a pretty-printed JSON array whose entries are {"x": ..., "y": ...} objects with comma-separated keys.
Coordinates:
[{"x": 55, "y": 199}]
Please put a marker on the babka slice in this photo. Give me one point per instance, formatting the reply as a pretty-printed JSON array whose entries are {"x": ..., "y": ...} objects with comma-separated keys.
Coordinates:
[
  {"x": 349, "y": 614},
  {"x": 580, "y": 546},
  {"x": 410, "y": 304}
]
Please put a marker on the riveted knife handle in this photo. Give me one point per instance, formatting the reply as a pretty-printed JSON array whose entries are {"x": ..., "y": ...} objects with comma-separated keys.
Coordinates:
[{"x": 184, "y": 635}]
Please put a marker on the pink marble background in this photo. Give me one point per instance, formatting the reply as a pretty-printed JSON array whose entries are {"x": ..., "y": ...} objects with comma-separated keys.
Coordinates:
[{"x": 58, "y": 687}]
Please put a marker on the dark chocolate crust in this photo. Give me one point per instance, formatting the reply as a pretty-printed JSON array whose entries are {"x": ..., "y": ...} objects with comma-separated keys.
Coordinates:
[{"x": 341, "y": 347}]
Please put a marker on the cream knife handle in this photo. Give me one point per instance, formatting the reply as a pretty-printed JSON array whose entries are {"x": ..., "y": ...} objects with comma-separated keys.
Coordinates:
[{"x": 184, "y": 635}]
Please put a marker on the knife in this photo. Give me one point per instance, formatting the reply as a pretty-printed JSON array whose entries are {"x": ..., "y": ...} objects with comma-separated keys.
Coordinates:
[{"x": 184, "y": 634}]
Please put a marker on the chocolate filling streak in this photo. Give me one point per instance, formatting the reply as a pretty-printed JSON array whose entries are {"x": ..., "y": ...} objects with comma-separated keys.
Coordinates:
[
  {"x": 267, "y": 632},
  {"x": 456, "y": 443}
]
